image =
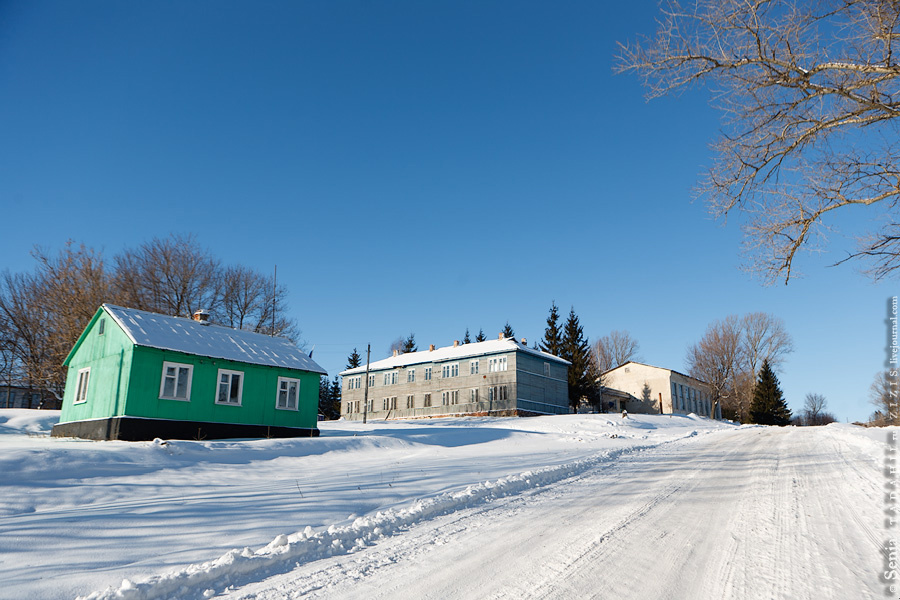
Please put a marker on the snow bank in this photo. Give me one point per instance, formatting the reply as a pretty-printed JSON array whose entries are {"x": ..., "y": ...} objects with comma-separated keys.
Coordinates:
[
  {"x": 285, "y": 551},
  {"x": 80, "y": 516}
]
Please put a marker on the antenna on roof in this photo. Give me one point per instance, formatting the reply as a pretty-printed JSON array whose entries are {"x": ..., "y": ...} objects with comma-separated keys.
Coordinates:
[{"x": 274, "y": 288}]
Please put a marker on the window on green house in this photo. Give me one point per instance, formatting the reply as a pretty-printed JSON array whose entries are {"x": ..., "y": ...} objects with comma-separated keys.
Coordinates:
[
  {"x": 288, "y": 392},
  {"x": 101, "y": 327},
  {"x": 231, "y": 385},
  {"x": 84, "y": 376},
  {"x": 176, "y": 381}
]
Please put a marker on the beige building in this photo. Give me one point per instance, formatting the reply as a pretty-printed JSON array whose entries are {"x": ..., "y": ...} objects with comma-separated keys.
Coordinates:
[
  {"x": 496, "y": 377},
  {"x": 657, "y": 390}
]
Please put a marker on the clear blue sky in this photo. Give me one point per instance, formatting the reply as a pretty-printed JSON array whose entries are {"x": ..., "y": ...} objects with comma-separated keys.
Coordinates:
[{"x": 410, "y": 167}]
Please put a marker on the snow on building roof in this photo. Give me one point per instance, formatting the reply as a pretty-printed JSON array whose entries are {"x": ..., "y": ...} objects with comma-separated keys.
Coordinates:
[
  {"x": 451, "y": 353},
  {"x": 191, "y": 337}
]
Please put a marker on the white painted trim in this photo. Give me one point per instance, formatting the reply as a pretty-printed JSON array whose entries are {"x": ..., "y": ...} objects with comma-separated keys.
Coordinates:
[
  {"x": 231, "y": 374},
  {"x": 278, "y": 394},
  {"x": 81, "y": 392},
  {"x": 162, "y": 381}
]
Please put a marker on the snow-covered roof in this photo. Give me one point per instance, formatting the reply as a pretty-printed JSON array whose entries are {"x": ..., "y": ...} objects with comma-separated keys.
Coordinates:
[
  {"x": 191, "y": 337},
  {"x": 452, "y": 353},
  {"x": 634, "y": 362}
]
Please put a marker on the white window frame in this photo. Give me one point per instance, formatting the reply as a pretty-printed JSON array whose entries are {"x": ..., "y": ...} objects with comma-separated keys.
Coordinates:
[
  {"x": 450, "y": 370},
  {"x": 81, "y": 388},
  {"x": 411, "y": 376},
  {"x": 473, "y": 367},
  {"x": 230, "y": 375},
  {"x": 546, "y": 369},
  {"x": 162, "y": 383},
  {"x": 288, "y": 381},
  {"x": 426, "y": 400},
  {"x": 371, "y": 380},
  {"x": 427, "y": 373},
  {"x": 410, "y": 401},
  {"x": 497, "y": 364},
  {"x": 473, "y": 395}
]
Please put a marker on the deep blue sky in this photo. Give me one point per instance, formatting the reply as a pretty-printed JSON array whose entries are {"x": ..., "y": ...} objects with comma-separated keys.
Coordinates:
[{"x": 410, "y": 167}]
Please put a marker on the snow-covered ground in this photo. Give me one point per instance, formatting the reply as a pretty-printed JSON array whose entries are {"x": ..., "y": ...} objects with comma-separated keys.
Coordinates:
[{"x": 551, "y": 507}]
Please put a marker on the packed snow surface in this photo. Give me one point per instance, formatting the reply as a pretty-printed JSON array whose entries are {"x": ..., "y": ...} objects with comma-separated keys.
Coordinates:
[{"x": 572, "y": 506}]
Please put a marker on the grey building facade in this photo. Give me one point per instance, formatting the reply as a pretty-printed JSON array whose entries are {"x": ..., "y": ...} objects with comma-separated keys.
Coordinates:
[{"x": 500, "y": 377}]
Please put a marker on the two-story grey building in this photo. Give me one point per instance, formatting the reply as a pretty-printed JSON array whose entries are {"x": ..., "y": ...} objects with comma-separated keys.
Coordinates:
[{"x": 499, "y": 377}]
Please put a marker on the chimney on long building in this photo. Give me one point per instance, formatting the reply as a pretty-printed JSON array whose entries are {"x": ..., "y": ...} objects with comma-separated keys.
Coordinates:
[
  {"x": 431, "y": 347},
  {"x": 456, "y": 343}
]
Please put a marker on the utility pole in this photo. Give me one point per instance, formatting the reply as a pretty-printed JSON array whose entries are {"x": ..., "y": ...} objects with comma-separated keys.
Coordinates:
[{"x": 366, "y": 393}]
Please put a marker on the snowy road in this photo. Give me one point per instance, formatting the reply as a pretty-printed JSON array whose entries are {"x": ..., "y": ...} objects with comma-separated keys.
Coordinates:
[{"x": 762, "y": 513}]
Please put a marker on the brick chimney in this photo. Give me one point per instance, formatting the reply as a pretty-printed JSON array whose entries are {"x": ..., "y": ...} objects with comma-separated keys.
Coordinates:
[
  {"x": 431, "y": 347},
  {"x": 456, "y": 343}
]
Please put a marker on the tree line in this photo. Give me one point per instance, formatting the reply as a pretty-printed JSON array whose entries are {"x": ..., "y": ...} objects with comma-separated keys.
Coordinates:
[{"x": 44, "y": 311}]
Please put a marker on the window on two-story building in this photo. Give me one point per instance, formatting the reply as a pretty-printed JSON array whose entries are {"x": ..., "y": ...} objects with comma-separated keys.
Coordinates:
[
  {"x": 389, "y": 403},
  {"x": 231, "y": 387},
  {"x": 176, "y": 381},
  {"x": 390, "y": 378},
  {"x": 353, "y": 383},
  {"x": 410, "y": 401},
  {"x": 473, "y": 395},
  {"x": 546, "y": 369},
  {"x": 427, "y": 373},
  {"x": 473, "y": 367},
  {"x": 499, "y": 392},
  {"x": 371, "y": 381},
  {"x": 497, "y": 364},
  {"x": 450, "y": 370},
  {"x": 411, "y": 376},
  {"x": 426, "y": 400}
]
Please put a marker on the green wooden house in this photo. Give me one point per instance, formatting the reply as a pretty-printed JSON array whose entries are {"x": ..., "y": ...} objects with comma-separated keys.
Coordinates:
[{"x": 136, "y": 375}]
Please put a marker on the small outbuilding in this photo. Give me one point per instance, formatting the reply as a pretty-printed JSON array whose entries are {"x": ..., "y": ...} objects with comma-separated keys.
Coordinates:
[{"x": 136, "y": 375}]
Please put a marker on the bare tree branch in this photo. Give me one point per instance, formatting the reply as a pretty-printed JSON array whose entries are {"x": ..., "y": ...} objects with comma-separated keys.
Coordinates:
[{"x": 810, "y": 92}]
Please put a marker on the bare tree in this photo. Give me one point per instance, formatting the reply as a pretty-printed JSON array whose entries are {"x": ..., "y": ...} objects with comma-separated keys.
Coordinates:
[
  {"x": 730, "y": 354},
  {"x": 171, "y": 275},
  {"x": 614, "y": 349},
  {"x": 884, "y": 393},
  {"x": 250, "y": 300},
  {"x": 26, "y": 333},
  {"x": 71, "y": 285},
  {"x": 715, "y": 360},
  {"x": 809, "y": 92},
  {"x": 814, "y": 412}
]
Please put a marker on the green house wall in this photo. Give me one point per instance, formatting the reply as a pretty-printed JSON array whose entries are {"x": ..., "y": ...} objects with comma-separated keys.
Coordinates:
[
  {"x": 109, "y": 356},
  {"x": 258, "y": 397},
  {"x": 125, "y": 381}
]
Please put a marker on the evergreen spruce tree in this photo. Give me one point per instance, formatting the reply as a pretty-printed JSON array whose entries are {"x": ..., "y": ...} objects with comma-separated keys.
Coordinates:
[
  {"x": 768, "y": 406},
  {"x": 467, "y": 339},
  {"x": 583, "y": 372},
  {"x": 409, "y": 344},
  {"x": 324, "y": 394},
  {"x": 334, "y": 400},
  {"x": 480, "y": 337},
  {"x": 354, "y": 360},
  {"x": 508, "y": 331},
  {"x": 552, "y": 341}
]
